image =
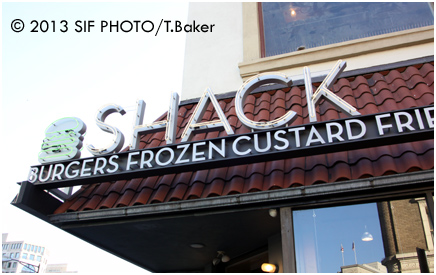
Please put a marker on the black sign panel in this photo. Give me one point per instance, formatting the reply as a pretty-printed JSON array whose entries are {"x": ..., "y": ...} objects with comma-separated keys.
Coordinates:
[{"x": 280, "y": 143}]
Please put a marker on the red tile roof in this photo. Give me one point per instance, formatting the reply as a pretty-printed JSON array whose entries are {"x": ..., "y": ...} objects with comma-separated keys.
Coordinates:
[{"x": 382, "y": 91}]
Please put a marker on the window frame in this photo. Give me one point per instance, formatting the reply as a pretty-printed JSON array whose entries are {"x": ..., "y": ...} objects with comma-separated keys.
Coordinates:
[
  {"x": 418, "y": 184},
  {"x": 287, "y": 224},
  {"x": 262, "y": 30},
  {"x": 253, "y": 63}
]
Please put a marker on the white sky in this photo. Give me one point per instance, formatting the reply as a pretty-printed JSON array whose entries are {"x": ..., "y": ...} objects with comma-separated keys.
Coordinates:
[{"x": 48, "y": 76}]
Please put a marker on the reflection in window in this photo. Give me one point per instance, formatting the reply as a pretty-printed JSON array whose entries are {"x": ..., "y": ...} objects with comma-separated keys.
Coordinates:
[
  {"x": 329, "y": 239},
  {"x": 374, "y": 237},
  {"x": 405, "y": 225},
  {"x": 289, "y": 26}
]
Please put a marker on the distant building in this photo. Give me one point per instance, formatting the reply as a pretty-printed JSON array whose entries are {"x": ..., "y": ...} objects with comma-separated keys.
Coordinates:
[
  {"x": 375, "y": 267},
  {"x": 58, "y": 268},
  {"x": 405, "y": 227},
  {"x": 23, "y": 256}
]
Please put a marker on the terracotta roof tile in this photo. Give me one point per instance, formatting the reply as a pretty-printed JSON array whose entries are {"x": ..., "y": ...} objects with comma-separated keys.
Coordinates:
[
  {"x": 392, "y": 76},
  {"x": 109, "y": 200},
  {"x": 364, "y": 100},
  {"x": 132, "y": 185},
  {"x": 371, "y": 93},
  {"x": 255, "y": 168},
  {"x": 295, "y": 178},
  {"x": 149, "y": 182},
  {"x": 236, "y": 171},
  {"x": 102, "y": 188},
  {"x": 194, "y": 191},
  {"x": 426, "y": 99},
  {"x": 333, "y": 158},
  {"x": 77, "y": 203},
  {"x": 85, "y": 191},
  {"x": 183, "y": 178},
  {"x": 67, "y": 205},
  {"x": 126, "y": 198},
  {"x": 214, "y": 188},
  {"x": 142, "y": 197},
  {"x": 379, "y": 87},
  {"x": 359, "y": 81},
  {"x": 218, "y": 173},
  {"x": 166, "y": 180},
  {"x": 178, "y": 192},
  {"x": 234, "y": 186},
  {"x": 318, "y": 174},
  {"x": 291, "y": 164},
  {"x": 340, "y": 171},
  {"x": 362, "y": 169},
  {"x": 274, "y": 180},
  {"x": 200, "y": 176},
  {"x": 117, "y": 187},
  {"x": 374, "y": 78},
  {"x": 92, "y": 203},
  {"x": 254, "y": 183},
  {"x": 160, "y": 194}
]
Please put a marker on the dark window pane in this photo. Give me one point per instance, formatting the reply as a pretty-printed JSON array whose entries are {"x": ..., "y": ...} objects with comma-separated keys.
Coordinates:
[{"x": 288, "y": 26}]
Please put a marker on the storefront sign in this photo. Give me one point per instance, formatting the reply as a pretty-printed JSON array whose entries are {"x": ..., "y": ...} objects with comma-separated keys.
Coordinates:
[
  {"x": 267, "y": 145},
  {"x": 61, "y": 138},
  {"x": 269, "y": 140}
]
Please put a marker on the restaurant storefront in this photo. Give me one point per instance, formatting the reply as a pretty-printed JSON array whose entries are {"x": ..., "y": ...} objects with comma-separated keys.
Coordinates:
[{"x": 308, "y": 172}]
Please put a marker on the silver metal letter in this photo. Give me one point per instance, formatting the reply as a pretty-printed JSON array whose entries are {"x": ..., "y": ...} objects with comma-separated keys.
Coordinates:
[
  {"x": 170, "y": 124},
  {"x": 324, "y": 90},
  {"x": 249, "y": 86},
  {"x": 200, "y": 109},
  {"x": 118, "y": 139}
]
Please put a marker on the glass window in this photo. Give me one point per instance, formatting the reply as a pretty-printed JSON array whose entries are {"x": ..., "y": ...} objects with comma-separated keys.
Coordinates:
[
  {"x": 14, "y": 264},
  {"x": 24, "y": 256},
  {"x": 38, "y": 258},
  {"x": 327, "y": 239},
  {"x": 25, "y": 246},
  {"x": 372, "y": 237},
  {"x": 292, "y": 26},
  {"x": 32, "y": 257},
  {"x": 42, "y": 250},
  {"x": 39, "y": 249},
  {"x": 32, "y": 247},
  {"x": 17, "y": 255},
  {"x": 28, "y": 269}
]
